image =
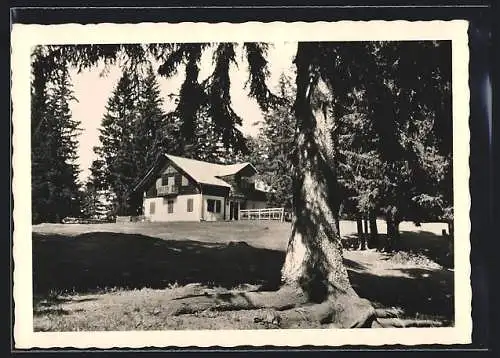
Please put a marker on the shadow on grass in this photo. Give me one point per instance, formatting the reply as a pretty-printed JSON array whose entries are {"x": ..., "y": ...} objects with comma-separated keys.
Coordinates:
[
  {"x": 353, "y": 265},
  {"x": 437, "y": 248},
  {"x": 424, "y": 292},
  {"x": 93, "y": 261}
]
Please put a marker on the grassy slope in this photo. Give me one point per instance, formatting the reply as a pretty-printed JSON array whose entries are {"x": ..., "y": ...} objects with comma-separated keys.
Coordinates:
[{"x": 123, "y": 276}]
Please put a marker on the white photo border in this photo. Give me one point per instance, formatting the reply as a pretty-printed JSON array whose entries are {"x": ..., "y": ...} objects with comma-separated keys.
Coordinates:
[{"x": 24, "y": 37}]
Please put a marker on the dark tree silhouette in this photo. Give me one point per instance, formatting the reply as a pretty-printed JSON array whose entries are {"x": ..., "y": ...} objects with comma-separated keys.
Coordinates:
[
  {"x": 134, "y": 130},
  {"x": 313, "y": 272},
  {"x": 54, "y": 172},
  {"x": 274, "y": 145}
]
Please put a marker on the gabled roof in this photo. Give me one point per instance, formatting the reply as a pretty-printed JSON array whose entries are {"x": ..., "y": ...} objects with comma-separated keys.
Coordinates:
[
  {"x": 202, "y": 172},
  {"x": 231, "y": 169}
]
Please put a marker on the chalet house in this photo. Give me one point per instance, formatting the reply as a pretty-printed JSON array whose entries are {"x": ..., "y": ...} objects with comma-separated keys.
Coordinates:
[{"x": 182, "y": 189}]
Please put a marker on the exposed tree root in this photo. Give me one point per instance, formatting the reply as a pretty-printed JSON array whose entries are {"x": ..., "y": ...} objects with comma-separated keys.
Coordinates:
[
  {"x": 290, "y": 305},
  {"x": 388, "y": 312},
  {"x": 340, "y": 313},
  {"x": 285, "y": 298},
  {"x": 406, "y": 323},
  {"x": 289, "y": 308}
]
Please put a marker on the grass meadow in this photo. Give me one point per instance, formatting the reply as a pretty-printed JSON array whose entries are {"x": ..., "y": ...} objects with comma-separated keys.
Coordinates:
[{"x": 128, "y": 276}]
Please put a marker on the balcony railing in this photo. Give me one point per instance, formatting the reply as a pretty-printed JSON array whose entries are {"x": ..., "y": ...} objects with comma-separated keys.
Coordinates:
[{"x": 167, "y": 190}]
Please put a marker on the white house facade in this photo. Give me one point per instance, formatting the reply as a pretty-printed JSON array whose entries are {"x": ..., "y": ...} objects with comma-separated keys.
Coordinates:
[{"x": 182, "y": 189}]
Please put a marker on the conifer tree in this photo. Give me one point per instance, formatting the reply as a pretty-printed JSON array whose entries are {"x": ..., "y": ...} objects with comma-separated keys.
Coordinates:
[
  {"x": 395, "y": 129},
  {"x": 134, "y": 131},
  {"x": 313, "y": 274},
  {"x": 149, "y": 136},
  {"x": 91, "y": 205},
  {"x": 276, "y": 144},
  {"x": 98, "y": 199},
  {"x": 55, "y": 188},
  {"x": 117, "y": 142}
]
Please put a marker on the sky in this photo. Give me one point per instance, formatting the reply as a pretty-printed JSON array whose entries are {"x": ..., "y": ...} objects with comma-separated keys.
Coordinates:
[{"x": 93, "y": 89}]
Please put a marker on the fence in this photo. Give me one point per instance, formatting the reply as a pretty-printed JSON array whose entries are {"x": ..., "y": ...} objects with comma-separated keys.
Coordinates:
[{"x": 263, "y": 214}]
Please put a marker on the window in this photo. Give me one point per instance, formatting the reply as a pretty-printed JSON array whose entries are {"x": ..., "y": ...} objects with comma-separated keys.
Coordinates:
[
  {"x": 151, "y": 207},
  {"x": 213, "y": 206},
  {"x": 190, "y": 205},
  {"x": 184, "y": 181},
  {"x": 210, "y": 205},
  {"x": 246, "y": 182},
  {"x": 170, "y": 206},
  {"x": 167, "y": 179}
]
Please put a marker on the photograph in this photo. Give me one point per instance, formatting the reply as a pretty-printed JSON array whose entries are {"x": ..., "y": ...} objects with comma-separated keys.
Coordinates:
[{"x": 241, "y": 184}]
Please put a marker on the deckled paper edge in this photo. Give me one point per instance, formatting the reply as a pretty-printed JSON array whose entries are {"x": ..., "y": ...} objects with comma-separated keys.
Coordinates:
[{"x": 25, "y": 36}]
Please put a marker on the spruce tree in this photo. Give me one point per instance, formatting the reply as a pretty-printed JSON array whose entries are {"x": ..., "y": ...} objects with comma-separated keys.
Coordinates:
[
  {"x": 134, "y": 131},
  {"x": 276, "y": 144},
  {"x": 55, "y": 188},
  {"x": 117, "y": 142},
  {"x": 313, "y": 275},
  {"x": 90, "y": 201},
  {"x": 208, "y": 145},
  {"x": 150, "y": 121},
  {"x": 98, "y": 199},
  {"x": 394, "y": 131}
]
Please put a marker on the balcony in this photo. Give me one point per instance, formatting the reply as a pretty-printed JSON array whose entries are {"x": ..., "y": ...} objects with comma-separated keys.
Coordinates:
[{"x": 165, "y": 190}]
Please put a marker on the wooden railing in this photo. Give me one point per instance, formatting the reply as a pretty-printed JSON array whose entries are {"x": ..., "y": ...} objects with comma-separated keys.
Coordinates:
[
  {"x": 263, "y": 214},
  {"x": 167, "y": 189}
]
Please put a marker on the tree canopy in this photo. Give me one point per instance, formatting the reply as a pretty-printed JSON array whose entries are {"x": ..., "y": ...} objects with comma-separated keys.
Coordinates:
[
  {"x": 377, "y": 115},
  {"x": 55, "y": 187},
  {"x": 134, "y": 130}
]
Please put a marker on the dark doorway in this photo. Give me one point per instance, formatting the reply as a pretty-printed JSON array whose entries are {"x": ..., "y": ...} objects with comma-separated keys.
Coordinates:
[
  {"x": 236, "y": 210},
  {"x": 233, "y": 210}
]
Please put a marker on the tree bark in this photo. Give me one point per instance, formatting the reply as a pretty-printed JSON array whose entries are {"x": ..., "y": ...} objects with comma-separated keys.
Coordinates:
[
  {"x": 451, "y": 229},
  {"x": 396, "y": 233},
  {"x": 392, "y": 233},
  {"x": 315, "y": 284},
  {"x": 364, "y": 237},
  {"x": 374, "y": 242},
  {"x": 359, "y": 226},
  {"x": 314, "y": 260},
  {"x": 337, "y": 224}
]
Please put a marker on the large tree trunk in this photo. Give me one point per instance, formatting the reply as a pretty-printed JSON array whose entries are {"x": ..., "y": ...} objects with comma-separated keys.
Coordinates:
[
  {"x": 315, "y": 285},
  {"x": 314, "y": 262}
]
